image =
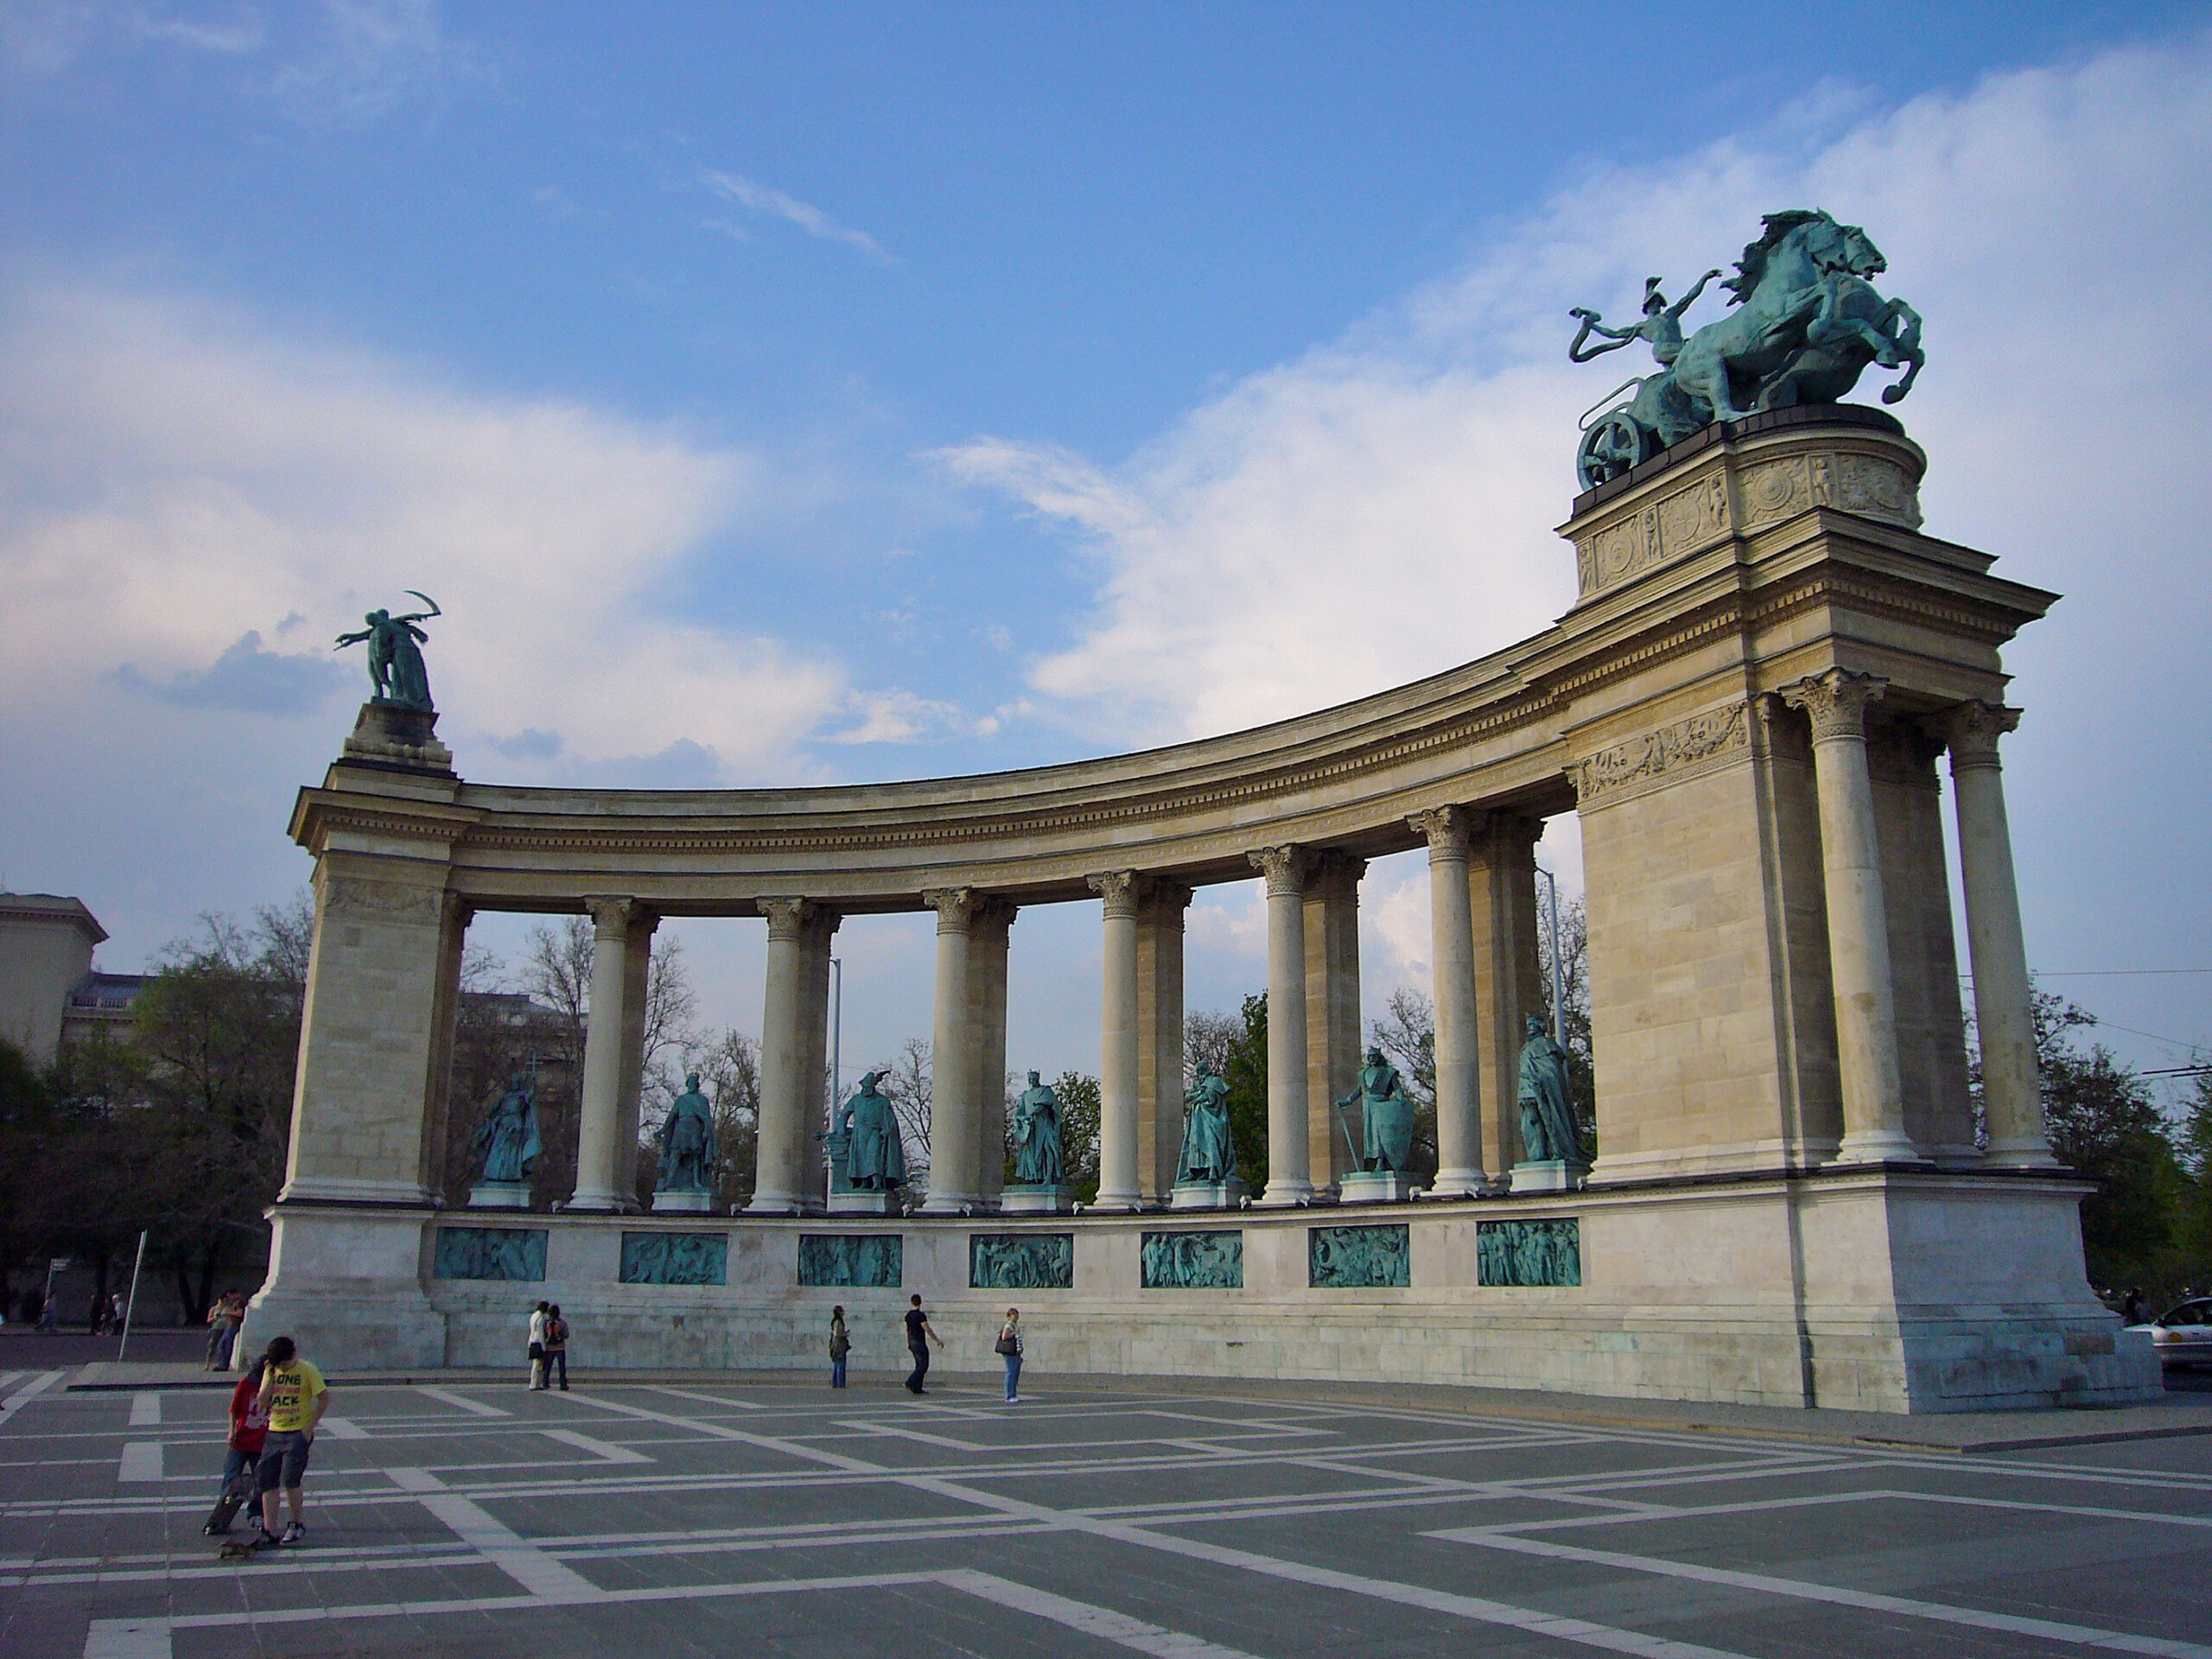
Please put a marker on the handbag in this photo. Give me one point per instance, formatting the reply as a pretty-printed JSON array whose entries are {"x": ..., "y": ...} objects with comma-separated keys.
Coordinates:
[{"x": 1006, "y": 1343}]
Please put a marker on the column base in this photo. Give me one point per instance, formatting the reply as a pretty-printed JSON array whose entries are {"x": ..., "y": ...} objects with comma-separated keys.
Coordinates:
[
  {"x": 1374, "y": 1187},
  {"x": 772, "y": 1203},
  {"x": 2021, "y": 1155},
  {"x": 863, "y": 1201},
  {"x": 1031, "y": 1199},
  {"x": 1879, "y": 1146},
  {"x": 601, "y": 1201},
  {"x": 1460, "y": 1184},
  {"x": 952, "y": 1203},
  {"x": 1209, "y": 1195},
  {"x": 1284, "y": 1194},
  {"x": 499, "y": 1195},
  {"x": 1549, "y": 1175},
  {"x": 684, "y": 1203}
]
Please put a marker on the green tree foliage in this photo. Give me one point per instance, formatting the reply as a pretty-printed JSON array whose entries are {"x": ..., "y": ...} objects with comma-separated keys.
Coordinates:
[
  {"x": 1245, "y": 1071},
  {"x": 1079, "y": 1107},
  {"x": 1406, "y": 1036}
]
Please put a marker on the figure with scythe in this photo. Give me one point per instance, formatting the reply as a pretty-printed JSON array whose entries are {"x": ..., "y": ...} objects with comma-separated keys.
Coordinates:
[{"x": 394, "y": 656}]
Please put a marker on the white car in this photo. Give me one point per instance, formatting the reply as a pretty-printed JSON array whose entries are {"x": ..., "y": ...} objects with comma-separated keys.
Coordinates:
[{"x": 2182, "y": 1334}]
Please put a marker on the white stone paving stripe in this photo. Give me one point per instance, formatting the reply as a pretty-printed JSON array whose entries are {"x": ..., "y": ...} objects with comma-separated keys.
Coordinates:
[
  {"x": 710, "y": 1399},
  {"x": 1582, "y": 1632},
  {"x": 447, "y": 1397},
  {"x": 1765, "y": 1584},
  {"x": 767, "y": 1442},
  {"x": 1101, "y": 1622},
  {"x": 495, "y": 1540},
  {"x": 30, "y": 1391},
  {"x": 145, "y": 1411},
  {"x": 341, "y": 1428},
  {"x": 605, "y": 1451},
  {"x": 128, "y": 1638},
  {"x": 142, "y": 1460},
  {"x": 893, "y": 1431}
]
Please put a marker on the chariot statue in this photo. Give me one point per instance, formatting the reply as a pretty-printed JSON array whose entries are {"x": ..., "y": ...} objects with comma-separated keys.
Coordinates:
[{"x": 1809, "y": 323}]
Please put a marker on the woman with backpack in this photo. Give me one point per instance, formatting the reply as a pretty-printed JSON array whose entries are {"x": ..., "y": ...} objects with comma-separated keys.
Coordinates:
[
  {"x": 557, "y": 1345},
  {"x": 1009, "y": 1348},
  {"x": 841, "y": 1344}
]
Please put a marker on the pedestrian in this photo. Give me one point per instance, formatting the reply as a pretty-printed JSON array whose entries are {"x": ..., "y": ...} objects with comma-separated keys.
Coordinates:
[
  {"x": 225, "y": 1316},
  {"x": 115, "y": 1314},
  {"x": 49, "y": 1316},
  {"x": 1009, "y": 1348},
  {"x": 537, "y": 1317},
  {"x": 840, "y": 1345},
  {"x": 557, "y": 1345},
  {"x": 918, "y": 1338},
  {"x": 249, "y": 1436},
  {"x": 2131, "y": 1311},
  {"x": 295, "y": 1396}
]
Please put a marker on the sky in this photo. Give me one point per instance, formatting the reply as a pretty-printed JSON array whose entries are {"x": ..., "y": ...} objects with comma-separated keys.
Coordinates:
[{"x": 834, "y": 392}]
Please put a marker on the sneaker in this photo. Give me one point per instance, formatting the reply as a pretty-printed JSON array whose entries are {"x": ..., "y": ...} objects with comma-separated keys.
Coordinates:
[{"x": 293, "y": 1533}]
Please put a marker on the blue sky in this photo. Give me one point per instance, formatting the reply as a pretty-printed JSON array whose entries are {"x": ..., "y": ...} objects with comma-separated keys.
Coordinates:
[{"x": 832, "y": 392}]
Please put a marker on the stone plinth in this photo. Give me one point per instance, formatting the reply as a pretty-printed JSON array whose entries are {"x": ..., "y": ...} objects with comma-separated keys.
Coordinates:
[
  {"x": 392, "y": 735},
  {"x": 862, "y": 1202},
  {"x": 1548, "y": 1175},
  {"x": 1374, "y": 1187},
  {"x": 684, "y": 1203},
  {"x": 1209, "y": 1195},
  {"x": 1029, "y": 1199},
  {"x": 499, "y": 1195}
]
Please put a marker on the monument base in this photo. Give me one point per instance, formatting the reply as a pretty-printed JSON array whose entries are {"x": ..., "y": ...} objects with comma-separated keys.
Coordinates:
[
  {"x": 393, "y": 735},
  {"x": 499, "y": 1195},
  {"x": 1209, "y": 1195},
  {"x": 685, "y": 1203},
  {"x": 1374, "y": 1187},
  {"x": 1549, "y": 1175},
  {"x": 861, "y": 1201},
  {"x": 1031, "y": 1199}
]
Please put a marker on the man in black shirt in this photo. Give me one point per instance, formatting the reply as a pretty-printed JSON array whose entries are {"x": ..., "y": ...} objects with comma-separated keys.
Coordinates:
[{"x": 918, "y": 1338}]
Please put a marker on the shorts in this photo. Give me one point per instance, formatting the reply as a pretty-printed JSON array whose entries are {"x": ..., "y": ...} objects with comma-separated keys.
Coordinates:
[{"x": 284, "y": 1461}]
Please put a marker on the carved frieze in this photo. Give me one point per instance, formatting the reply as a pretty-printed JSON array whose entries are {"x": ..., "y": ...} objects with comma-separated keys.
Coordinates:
[
  {"x": 1547, "y": 1254},
  {"x": 1701, "y": 737},
  {"x": 1021, "y": 1261},
  {"x": 360, "y": 897}
]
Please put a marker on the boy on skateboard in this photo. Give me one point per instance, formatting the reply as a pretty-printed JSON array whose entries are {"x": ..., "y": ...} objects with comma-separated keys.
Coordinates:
[
  {"x": 296, "y": 1397},
  {"x": 241, "y": 1463}
]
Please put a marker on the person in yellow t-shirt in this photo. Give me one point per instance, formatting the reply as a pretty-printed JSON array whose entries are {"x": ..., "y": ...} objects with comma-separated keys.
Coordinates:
[{"x": 295, "y": 1396}]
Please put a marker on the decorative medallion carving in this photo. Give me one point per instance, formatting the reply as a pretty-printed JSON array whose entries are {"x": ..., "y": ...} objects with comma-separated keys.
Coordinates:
[{"x": 1699, "y": 738}]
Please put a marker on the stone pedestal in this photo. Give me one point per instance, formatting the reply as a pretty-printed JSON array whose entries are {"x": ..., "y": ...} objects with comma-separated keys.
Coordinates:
[
  {"x": 1209, "y": 1195},
  {"x": 862, "y": 1202},
  {"x": 1027, "y": 1199},
  {"x": 392, "y": 735},
  {"x": 685, "y": 1202},
  {"x": 1548, "y": 1175},
  {"x": 499, "y": 1195},
  {"x": 1374, "y": 1187}
]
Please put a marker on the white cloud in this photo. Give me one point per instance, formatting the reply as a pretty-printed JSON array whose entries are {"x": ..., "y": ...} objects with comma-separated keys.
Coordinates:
[
  {"x": 1384, "y": 507},
  {"x": 760, "y": 198},
  {"x": 170, "y": 477},
  {"x": 899, "y": 717}
]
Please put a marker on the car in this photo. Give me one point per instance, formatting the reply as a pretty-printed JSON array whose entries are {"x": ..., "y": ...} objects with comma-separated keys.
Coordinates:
[{"x": 2182, "y": 1334}]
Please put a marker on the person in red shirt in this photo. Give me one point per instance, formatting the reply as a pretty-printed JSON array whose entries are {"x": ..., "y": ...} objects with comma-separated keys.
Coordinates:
[{"x": 249, "y": 1428}]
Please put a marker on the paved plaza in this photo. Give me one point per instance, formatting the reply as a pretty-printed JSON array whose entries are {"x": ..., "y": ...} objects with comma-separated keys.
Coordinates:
[{"x": 769, "y": 1517}]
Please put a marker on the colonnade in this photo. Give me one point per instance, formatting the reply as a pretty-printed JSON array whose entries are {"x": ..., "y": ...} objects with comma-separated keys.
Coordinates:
[{"x": 1483, "y": 927}]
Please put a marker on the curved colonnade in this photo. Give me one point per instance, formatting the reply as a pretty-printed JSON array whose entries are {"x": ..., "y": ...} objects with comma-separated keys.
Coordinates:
[{"x": 1746, "y": 704}]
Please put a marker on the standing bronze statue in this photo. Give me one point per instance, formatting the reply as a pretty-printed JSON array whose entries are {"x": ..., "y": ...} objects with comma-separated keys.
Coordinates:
[
  {"x": 396, "y": 669},
  {"x": 689, "y": 1155},
  {"x": 874, "y": 1161},
  {"x": 507, "y": 1139},
  {"x": 1037, "y": 1136},
  {"x": 1387, "y": 1115},
  {"x": 1209, "y": 1152},
  {"x": 1547, "y": 1131}
]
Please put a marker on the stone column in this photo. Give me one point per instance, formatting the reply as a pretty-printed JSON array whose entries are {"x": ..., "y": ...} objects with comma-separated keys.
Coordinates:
[
  {"x": 952, "y": 1057},
  {"x": 1333, "y": 1044},
  {"x": 454, "y": 915},
  {"x": 778, "y": 1180},
  {"x": 1459, "y": 1086},
  {"x": 987, "y": 996},
  {"x": 1288, "y": 1130},
  {"x": 2004, "y": 998},
  {"x": 1509, "y": 975},
  {"x": 1118, "y": 1187},
  {"x": 621, "y": 929},
  {"x": 1159, "y": 1036},
  {"x": 1836, "y": 701},
  {"x": 814, "y": 1108}
]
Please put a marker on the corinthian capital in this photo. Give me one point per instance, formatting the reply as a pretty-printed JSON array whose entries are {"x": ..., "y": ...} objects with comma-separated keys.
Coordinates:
[
  {"x": 788, "y": 918},
  {"x": 1971, "y": 731},
  {"x": 1121, "y": 889},
  {"x": 614, "y": 915},
  {"x": 955, "y": 907},
  {"x": 1285, "y": 866},
  {"x": 1836, "y": 700},
  {"x": 1446, "y": 829}
]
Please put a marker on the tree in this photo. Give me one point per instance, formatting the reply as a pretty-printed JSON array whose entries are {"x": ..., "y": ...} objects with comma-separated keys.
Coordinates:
[
  {"x": 1246, "y": 1073},
  {"x": 1210, "y": 1038},
  {"x": 1406, "y": 1036},
  {"x": 1079, "y": 1117},
  {"x": 905, "y": 1083}
]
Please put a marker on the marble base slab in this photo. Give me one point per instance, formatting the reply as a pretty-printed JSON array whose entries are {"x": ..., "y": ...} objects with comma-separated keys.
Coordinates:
[
  {"x": 1374, "y": 1187},
  {"x": 1022, "y": 1198},
  {"x": 1209, "y": 1195},
  {"x": 691, "y": 1203},
  {"x": 863, "y": 1202},
  {"x": 1548, "y": 1175},
  {"x": 499, "y": 1195}
]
